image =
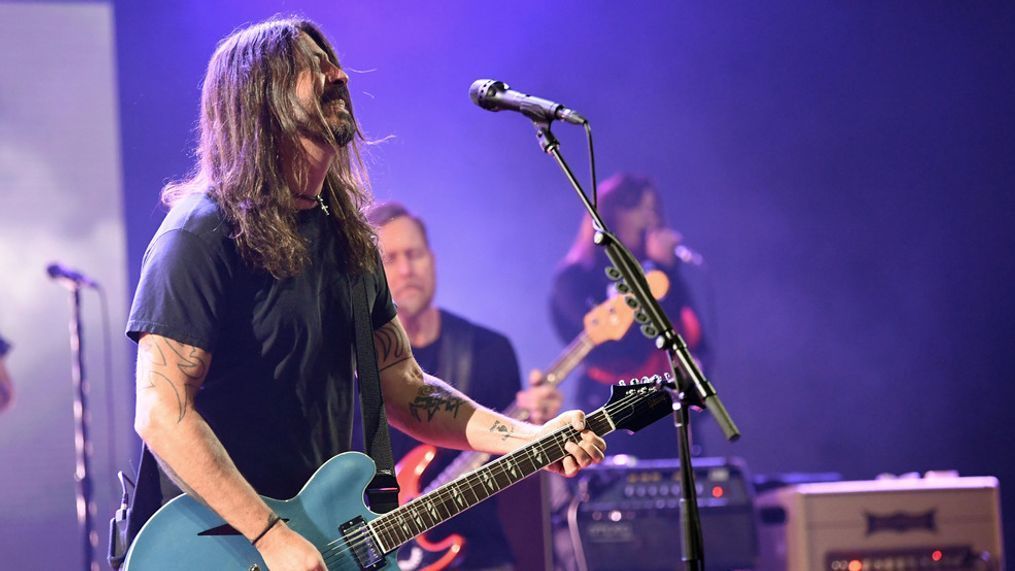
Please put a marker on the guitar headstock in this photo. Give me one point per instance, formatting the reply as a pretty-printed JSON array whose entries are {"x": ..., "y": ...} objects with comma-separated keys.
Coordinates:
[
  {"x": 610, "y": 320},
  {"x": 636, "y": 404}
]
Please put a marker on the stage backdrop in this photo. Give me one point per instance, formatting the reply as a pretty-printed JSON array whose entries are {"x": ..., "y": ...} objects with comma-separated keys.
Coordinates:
[
  {"x": 845, "y": 169},
  {"x": 60, "y": 200}
]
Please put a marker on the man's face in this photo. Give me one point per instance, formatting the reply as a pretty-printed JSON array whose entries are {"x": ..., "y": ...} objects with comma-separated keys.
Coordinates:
[
  {"x": 323, "y": 84},
  {"x": 409, "y": 264}
]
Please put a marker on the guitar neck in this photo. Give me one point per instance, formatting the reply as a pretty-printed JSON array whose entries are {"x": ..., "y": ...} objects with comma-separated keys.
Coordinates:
[
  {"x": 431, "y": 509},
  {"x": 569, "y": 358}
]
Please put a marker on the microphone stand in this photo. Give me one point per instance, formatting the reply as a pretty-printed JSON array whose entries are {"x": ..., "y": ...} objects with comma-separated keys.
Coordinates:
[
  {"x": 82, "y": 440},
  {"x": 693, "y": 389}
]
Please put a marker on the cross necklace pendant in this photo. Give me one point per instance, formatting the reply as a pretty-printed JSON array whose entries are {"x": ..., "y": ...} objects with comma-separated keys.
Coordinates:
[{"x": 319, "y": 199}]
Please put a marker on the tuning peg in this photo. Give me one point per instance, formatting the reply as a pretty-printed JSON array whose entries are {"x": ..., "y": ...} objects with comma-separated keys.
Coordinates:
[
  {"x": 648, "y": 331},
  {"x": 640, "y": 317},
  {"x": 621, "y": 382},
  {"x": 623, "y": 287},
  {"x": 613, "y": 273},
  {"x": 631, "y": 301}
]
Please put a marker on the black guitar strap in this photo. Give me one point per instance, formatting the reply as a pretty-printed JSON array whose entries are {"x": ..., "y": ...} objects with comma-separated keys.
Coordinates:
[
  {"x": 382, "y": 492},
  {"x": 137, "y": 507},
  {"x": 454, "y": 364}
]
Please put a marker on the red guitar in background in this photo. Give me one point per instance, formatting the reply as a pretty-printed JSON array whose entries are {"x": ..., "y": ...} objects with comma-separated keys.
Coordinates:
[{"x": 608, "y": 321}]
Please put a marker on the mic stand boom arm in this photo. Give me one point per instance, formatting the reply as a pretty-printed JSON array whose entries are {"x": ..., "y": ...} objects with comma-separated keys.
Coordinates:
[
  {"x": 655, "y": 323},
  {"x": 693, "y": 388}
]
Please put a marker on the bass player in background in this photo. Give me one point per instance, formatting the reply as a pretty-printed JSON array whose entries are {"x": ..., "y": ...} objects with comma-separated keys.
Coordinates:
[
  {"x": 477, "y": 361},
  {"x": 631, "y": 208}
]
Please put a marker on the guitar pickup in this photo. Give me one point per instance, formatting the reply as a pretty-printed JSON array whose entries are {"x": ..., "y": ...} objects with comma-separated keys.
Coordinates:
[{"x": 361, "y": 544}]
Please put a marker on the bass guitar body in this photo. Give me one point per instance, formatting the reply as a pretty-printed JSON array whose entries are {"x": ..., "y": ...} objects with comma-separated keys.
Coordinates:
[
  {"x": 184, "y": 534},
  {"x": 423, "y": 554}
]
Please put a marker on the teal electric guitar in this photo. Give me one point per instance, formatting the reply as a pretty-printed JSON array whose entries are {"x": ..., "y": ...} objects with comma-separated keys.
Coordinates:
[{"x": 330, "y": 513}]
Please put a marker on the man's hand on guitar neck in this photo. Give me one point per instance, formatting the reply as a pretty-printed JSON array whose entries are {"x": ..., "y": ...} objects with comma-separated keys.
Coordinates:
[
  {"x": 542, "y": 400},
  {"x": 590, "y": 450}
]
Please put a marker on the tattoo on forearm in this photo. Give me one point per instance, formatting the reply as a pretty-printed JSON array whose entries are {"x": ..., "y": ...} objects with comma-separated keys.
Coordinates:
[
  {"x": 505, "y": 430},
  {"x": 432, "y": 399},
  {"x": 392, "y": 346}
]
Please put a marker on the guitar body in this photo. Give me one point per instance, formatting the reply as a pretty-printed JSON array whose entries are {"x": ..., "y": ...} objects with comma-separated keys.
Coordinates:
[
  {"x": 184, "y": 534},
  {"x": 330, "y": 513},
  {"x": 410, "y": 469},
  {"x": 422, "y": 554}
]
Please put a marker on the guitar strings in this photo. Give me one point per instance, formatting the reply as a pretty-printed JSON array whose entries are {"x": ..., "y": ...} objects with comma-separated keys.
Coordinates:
[
  {"x": 502, "y": 465},
  {"x": 499, "y": 467},
  {"x": 385, "y": 530},
  {"x": 334, "y": 552},
  {"x": 496, "y": 468},
  {"x": 361, "y": 538},
  {"x": 386, "y": 527}
]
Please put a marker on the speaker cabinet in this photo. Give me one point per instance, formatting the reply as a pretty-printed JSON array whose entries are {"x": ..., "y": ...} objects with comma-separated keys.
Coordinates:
[{"x": 951, "y": 524}]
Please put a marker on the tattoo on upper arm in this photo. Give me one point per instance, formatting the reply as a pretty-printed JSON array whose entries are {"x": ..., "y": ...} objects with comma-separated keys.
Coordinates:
[
  {"x": 392, "y": 345},
  {"x": 190, "y": 362},
  {"x": 153, "y": 366},
  {"x": 431, "y": 399},
  {"x": 150, "y": 357}
]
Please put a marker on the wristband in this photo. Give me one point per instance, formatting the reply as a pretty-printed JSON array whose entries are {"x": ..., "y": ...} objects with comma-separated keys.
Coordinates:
[{"x": 274, "y": 519}]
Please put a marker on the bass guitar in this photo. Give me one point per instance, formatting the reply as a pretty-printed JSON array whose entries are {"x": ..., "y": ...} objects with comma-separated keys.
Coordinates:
[
  {"x": 608, "y": 321},
  {"x": 330, "y": 513}
]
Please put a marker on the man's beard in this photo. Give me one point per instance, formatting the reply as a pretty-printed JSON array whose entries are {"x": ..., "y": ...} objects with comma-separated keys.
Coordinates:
[
  {"x": 342, "y": 126},
  {"x": 340, "y": 121}
]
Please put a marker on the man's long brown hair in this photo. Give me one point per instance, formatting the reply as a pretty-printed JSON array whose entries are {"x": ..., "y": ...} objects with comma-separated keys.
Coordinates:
[{"x": 251, "y": 122}]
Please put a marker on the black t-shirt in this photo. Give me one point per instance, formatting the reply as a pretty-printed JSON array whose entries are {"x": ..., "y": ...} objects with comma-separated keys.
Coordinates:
[
  {"x": 493, "y": 382},
  {"x": 279, "y": 390}
]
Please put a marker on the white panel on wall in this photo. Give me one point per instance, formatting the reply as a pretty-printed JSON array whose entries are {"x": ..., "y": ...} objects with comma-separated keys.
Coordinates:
[{"x": 60, "y": 200}]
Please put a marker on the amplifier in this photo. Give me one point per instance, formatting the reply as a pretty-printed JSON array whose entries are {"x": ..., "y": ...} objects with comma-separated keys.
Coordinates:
[
  {"x": 951, "y": 524},
  {"x": 626, "y": 515}
]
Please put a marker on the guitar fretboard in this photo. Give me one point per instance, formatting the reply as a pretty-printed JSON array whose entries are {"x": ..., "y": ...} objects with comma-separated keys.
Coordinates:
[
  {"x": 469, "y": 460},
  {"x": 429, "y": 510}
]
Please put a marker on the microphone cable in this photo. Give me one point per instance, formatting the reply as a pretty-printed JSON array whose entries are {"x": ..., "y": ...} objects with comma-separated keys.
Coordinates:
[{"x": 592, "y": 164}]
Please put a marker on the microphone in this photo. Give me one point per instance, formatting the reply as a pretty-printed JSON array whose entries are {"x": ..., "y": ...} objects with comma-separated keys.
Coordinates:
[
  {"x": 688, "y": 256},
  {"x": 70, "y": 278},
  {"x": 495, "y": 95}
]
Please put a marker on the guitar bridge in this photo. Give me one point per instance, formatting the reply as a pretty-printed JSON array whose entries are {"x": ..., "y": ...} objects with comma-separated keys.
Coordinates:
[{"x": 361, "y": 544}]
